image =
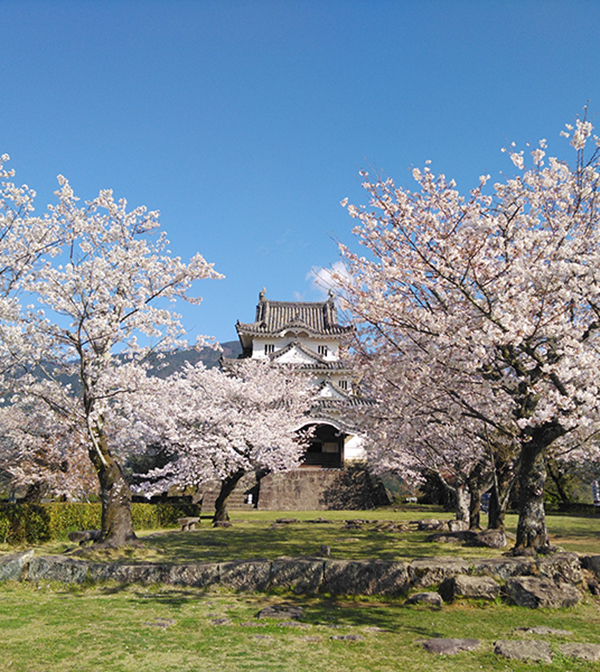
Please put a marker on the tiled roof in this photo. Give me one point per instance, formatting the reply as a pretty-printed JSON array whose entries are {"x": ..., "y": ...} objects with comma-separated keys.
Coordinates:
[
  {"x": 339, "y": 367},
  {"x": 273, "y": 317}
]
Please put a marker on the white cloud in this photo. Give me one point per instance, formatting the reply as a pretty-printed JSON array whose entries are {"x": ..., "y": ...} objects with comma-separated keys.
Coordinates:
[{"x": 325, "y": 279}]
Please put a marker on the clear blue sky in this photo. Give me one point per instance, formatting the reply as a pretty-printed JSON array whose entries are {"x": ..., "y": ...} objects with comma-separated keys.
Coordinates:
[{"x": 246, "y": 122}]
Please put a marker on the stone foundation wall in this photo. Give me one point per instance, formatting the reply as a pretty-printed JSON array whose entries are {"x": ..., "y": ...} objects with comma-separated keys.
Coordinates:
[
  {"x": 297, "y": 490},
  {"x": 351, "y": 488},
  {"x": 555, "y": 580}
]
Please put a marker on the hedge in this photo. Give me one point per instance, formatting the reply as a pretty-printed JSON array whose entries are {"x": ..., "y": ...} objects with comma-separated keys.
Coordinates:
[{"x": 34, "y": 523}]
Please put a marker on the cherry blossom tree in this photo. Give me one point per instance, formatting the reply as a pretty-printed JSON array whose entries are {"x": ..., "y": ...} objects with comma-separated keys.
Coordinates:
[
  {"x": 219, "y": 426},
  {"x": 105, "y": 301},
  {"x": 499, "y": 293},
  {"x": 43, "y": 443}
]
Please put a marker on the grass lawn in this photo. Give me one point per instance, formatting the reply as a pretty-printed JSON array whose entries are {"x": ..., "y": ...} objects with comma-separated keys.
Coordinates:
[
  {"x": 51, "y": 628},
  {"x": 256, "y": 535},
  {"x": 106, "y": 628}
]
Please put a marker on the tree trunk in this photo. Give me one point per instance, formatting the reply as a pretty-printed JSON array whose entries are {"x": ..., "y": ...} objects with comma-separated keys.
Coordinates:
[
  {"x": 475, "y": 508},
  {"x": 503, "y": 480},
  {"x": 34, "y": 493},
  {"x": 531, "y": 530},
  {"x": 227, "y": 487},
  {"x": 496, "y": 512},
  {"x": 462, "y": 496},
  {"x": 115, "y": 494}
]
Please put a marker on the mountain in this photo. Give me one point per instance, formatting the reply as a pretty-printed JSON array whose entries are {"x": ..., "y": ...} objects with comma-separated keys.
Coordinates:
[{"x": 174, "y": 361}]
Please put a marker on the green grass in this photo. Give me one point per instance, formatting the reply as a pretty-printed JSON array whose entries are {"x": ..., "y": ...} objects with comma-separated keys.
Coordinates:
[
  {"x": 56, "y": 628},
  {"x": 256, "y": 535}
]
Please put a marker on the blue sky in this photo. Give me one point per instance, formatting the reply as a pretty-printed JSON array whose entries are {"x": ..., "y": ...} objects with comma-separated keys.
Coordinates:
[{"x": 246, "y": 122}]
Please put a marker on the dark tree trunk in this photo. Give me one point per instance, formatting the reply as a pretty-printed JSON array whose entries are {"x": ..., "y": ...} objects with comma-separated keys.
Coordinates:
[
  {"x": 531, "y": 529},
  {"x": 34, "y": 494},
  {"x": 502, "y": 484},
  {"x": 115, "y": 494},
  {"x": 475, "y": 508},
  {"x": 496, "y": 512},
  {"x": 559, "y": 479},
  {"x": 227, "y": 487}
]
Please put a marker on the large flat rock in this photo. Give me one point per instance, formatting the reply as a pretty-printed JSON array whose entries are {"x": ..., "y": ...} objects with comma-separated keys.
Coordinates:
[
  {"x": 450, "y": 647},
  {"x": 11, "y": 566},
  {"x": 524, "y": 649},
  {"x": 129, "y": 573},
  {"x": 57, "y": 568},
  {"x": 299, "y": 575},
  {"x": 426, "y": 572},
  {"x": 581, "y": 650},
  {"x": 561, "y": 567},
  {"x": 365, "y": 577},
  {"x": 533, "y": 592},
  {"x": 504, "y": 567},
  {"x": 246, "y": 574},
  {"x": 201, "y": 575},
  {"x": 474, "y": 587}
]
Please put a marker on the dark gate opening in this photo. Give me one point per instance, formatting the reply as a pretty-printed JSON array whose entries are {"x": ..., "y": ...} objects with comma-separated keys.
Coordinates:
[{"x": 326, "y": 448}]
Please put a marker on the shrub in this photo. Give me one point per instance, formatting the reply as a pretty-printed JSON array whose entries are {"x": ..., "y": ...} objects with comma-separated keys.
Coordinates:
[{"x": 34, "y": 523}]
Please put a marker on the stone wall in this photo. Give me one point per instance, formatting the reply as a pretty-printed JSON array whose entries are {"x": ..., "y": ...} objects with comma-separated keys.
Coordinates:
[
  {"x": 351, "y": 488},
  {"x": 555, "y": 580}
]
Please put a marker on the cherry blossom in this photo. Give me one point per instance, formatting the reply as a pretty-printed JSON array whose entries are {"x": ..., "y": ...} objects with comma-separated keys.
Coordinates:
[
  {"x": 491, "y": 300},
  {"x": 219, "y": 426},
  {"x": 101, "y": 299}
]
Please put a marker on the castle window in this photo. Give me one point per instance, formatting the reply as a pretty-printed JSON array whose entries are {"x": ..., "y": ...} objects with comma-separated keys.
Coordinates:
[
  {"x": 269, "y": 348},
  {"x": 322, "y": 350},
  {"x": 343, "y": 384}
]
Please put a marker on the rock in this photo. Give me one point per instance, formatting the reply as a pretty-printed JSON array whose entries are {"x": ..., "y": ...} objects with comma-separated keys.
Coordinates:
[
  {"x": 325, "y": 550},
  {"x": 286, "y": 521},
  {"x": 450, "y": 647},
  {"x": 582, "y": 651},
  {"x": 445, "y": 537},
  {"x": 348, "y": 638},
  {"x": 281, "y": 611},
  {"x": 488, "y": 539},
  {"x": 162, "y": 623},
  {"x": 561, "y": 567},
  {"x": 299, "y": 575},
  {"x": 292, "y": 624},
  {"x": 504, "y": 567},
  {"x": 246, "y": 574},
  {"x": 524, "y": 649},
  {"x": 11, "y": 566},
  {"x": 532, "y": 592},
  {"x": 365, "y": 577},
  {"x": 457, "y": 525},
  {"x": 220, "y": 621},
  {"x": 544, "y": 630},
  {"x": 463, "y": 585},
  {"x": 201, "y": 575},
  {"x": 434, "y": 599},
  {"x": 431, "y": 571},
  {"x": 81, "y": 537},
  {"x": 222, "y": 523},
  {"x": 142, "y": 573},
  {"x": 429, "y": 524},
  {"x": 592, "y": 562},
  {"x": 57, "y": 568}
]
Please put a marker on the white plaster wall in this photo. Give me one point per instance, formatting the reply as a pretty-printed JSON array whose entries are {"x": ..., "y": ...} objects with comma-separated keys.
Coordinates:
[{"x": 354, "y": 448}]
